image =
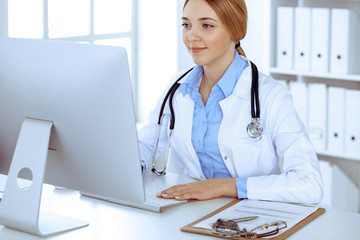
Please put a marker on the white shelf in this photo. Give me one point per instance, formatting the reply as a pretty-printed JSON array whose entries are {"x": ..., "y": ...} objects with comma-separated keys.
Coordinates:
[
  {"x": 342, "y": 77},
  {"x": 348, "y": 81},
  {"x": 341, "y": 156}
]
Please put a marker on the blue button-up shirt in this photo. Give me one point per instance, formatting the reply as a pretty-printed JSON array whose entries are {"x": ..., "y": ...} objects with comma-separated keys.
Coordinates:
[{"x": 207, "y": 119}]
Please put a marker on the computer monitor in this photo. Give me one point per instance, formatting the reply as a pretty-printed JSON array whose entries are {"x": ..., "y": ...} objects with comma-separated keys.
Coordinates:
[{"x": 79, "y": 96}]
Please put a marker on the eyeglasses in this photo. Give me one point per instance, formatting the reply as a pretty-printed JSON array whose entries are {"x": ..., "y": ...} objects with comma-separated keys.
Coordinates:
[{"x": 230, "y": 228}]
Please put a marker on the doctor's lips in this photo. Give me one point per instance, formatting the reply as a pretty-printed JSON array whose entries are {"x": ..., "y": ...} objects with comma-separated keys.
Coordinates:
[{"x": 197, "y": 49}]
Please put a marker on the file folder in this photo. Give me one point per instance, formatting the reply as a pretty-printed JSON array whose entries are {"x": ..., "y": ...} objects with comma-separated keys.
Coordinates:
[
  {"x": 285, "y": 37},
  {"x": 299, "y": 93},
  {"x": 302, "y": 38},
  {"x": 320, "y": 38},
  {"x": 336, "y": 185},
  {"x": 344, "y": 41},
  {"x": 352, "y": 121},
  {"x": 317, "y": 115},
  {"x": 336, "y": 118}
]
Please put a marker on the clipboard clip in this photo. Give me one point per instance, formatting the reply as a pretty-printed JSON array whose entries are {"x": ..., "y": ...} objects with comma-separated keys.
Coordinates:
[{"x": 230, "y": 228}]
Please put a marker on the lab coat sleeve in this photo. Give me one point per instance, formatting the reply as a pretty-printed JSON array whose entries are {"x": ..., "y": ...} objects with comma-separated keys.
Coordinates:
[
  {"x": 148, "y": 133},
  {"x": 300, "y": 180}
]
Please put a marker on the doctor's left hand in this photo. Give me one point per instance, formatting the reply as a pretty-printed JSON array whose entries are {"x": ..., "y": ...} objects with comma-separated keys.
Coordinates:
[{"x": 202, "y": 190}]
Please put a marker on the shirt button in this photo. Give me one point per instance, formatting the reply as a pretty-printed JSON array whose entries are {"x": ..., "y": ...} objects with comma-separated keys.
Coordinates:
[{"x": 225, "y": 157}]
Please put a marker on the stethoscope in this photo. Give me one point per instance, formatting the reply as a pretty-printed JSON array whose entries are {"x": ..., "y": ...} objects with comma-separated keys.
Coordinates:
[{"x": 254, "y": 129}]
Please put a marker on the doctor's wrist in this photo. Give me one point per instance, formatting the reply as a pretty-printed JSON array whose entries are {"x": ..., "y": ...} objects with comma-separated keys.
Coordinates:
[{"x": 228, "y": 187}]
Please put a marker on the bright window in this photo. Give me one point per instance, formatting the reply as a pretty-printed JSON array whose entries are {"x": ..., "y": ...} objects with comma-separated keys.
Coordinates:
[
  {"x": 25, "y": 18},
  {"x": 105, "y": 22},
  {"x": 68, "y": 18},
  {"x": 112, "y": 16}
]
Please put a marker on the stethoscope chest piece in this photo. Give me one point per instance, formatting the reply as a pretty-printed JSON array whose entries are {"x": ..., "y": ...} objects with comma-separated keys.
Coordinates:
[{"x": 254, "y": 128}]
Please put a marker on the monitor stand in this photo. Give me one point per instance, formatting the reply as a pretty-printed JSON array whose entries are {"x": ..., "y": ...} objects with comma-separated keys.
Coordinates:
[{"x": 19, "y": 208}]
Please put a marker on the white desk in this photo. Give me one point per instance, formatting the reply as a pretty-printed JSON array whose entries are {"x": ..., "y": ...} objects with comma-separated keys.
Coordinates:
[{"x": 111, "y": 221}]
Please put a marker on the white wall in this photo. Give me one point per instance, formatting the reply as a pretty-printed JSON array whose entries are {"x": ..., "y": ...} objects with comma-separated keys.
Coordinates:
[
  {"x": 3, "y": 18},
  {"x": 256, "y": 44},
  {"x": 157, "y": 46},
  {"x": 184, "y": 61}
]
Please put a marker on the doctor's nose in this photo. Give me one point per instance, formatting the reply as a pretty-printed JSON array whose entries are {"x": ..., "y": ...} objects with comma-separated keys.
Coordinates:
[{"x": 193, "y": 35}]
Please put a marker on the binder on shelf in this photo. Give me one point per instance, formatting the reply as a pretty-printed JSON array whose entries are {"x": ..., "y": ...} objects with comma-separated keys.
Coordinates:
[
  {"x": 336, "y": 118},
  {"x": 352, "y": 120},
  {"x": 344, "y": 41},
  {"x": 285, "y": 37},
  {"x": 320, "y": 40},
  {"x": 302, "y": 38},
  {"x": 317, "y": 115},
  {"x": 336, "y": 185},
  {"x": 299, "y": 93}
]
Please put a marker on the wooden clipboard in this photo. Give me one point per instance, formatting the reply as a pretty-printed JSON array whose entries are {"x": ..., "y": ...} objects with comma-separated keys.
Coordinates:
[{"x": 191, "y": 229}]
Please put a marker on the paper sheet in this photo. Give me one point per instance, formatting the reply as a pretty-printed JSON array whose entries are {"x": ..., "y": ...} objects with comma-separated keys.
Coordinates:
[{"x": 267, "y": 212}]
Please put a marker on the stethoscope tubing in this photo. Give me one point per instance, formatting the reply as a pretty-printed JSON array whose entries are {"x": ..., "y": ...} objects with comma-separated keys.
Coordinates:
[
  {"x": 171, "y": 93},
  {"x": 254, "y": 129},
  {"x": 255, "y": 105}
]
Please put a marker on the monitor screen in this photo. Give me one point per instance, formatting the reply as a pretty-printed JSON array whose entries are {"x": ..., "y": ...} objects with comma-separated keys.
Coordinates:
[{"x": 84, "y": 90}]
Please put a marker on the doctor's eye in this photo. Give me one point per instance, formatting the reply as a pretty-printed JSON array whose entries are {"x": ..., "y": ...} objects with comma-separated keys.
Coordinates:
[
  {"x": 185, "y": 25},
  {"x": 207, "y": 25}
]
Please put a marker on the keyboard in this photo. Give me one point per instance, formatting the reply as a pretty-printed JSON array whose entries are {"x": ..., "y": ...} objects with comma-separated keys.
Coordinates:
[{"x": 162, "y": 202}]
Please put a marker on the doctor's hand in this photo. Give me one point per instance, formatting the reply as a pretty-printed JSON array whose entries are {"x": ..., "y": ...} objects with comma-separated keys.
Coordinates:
[{"x": 202, "y": 190}]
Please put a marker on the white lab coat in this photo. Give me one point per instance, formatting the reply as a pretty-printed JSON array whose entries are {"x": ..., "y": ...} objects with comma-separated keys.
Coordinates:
[{"x": 281, "y": 165}]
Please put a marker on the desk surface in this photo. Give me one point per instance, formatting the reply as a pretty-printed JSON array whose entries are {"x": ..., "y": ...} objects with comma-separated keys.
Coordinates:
[{"x": 111, "y": 221}]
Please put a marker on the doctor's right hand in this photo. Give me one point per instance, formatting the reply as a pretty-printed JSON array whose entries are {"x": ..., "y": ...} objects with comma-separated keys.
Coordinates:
[{"x": 202, "y": 190}]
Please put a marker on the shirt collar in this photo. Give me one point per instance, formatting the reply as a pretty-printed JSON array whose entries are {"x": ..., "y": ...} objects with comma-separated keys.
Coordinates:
[
  {"x": 192, "y": 81},
  {"x": 227, "y": 81},
  {"x": 232, "y": 74}
]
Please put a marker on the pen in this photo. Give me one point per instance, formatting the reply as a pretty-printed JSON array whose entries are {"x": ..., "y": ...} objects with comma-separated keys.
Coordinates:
[{"x": 243, "y": 219}]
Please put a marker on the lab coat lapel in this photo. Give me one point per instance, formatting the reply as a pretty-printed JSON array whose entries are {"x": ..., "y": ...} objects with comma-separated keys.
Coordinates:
[
  {"x": 241, "y": 89},
  {"x": 235, "y": 100},
  {"x": 185, "y": 119},
  {"x": 243, "y": 85}
]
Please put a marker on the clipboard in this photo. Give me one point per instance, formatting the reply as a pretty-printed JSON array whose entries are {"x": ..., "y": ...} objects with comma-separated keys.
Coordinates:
[{"x": 191, "y": 229}]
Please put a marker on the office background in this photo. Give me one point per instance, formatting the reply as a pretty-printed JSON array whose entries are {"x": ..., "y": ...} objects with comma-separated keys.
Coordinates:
[{"x": 151, "y": 33}]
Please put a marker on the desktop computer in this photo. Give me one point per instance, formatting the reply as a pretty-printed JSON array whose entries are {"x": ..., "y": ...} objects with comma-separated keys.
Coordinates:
[{"x": 66, "y": 119}]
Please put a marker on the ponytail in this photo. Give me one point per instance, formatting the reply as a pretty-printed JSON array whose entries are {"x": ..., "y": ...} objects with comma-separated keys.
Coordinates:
[{"x": 240, "y": 50}]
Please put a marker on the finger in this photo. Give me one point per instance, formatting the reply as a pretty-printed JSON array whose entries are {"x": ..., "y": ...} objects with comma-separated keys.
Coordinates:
[
  {"x": 174, "y": 194},
  {"x": 182, "y": 193},
  {"x": 174, "y": 189},
  {"x": 185, "y": 196}
]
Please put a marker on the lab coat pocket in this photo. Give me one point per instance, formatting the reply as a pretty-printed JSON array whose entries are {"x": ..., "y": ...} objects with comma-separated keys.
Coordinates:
[{"x": 247, "y": 156}]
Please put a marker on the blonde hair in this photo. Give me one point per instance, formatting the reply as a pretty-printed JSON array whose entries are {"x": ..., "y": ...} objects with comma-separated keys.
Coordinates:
[{"x": 233, "y": 15}]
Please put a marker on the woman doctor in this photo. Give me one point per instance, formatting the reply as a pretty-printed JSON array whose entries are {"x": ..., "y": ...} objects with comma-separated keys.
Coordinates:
[{"x": 212, "y": 108}]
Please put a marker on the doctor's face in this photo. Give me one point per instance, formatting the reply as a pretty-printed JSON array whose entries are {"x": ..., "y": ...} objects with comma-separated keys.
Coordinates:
[{"x": 204, "y": 36}]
